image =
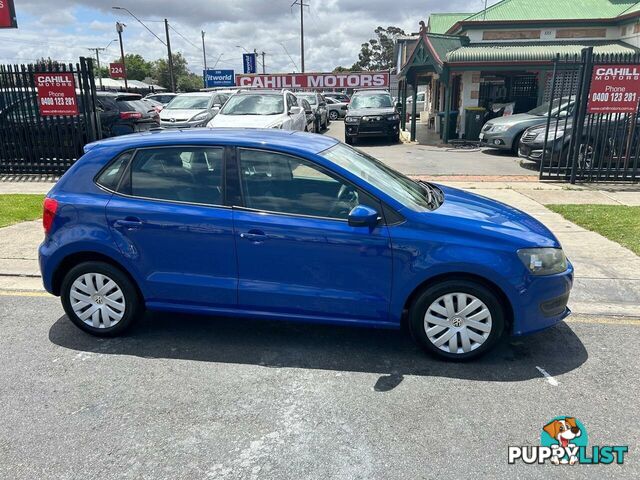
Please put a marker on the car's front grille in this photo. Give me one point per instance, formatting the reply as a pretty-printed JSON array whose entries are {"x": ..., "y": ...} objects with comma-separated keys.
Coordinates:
[{"x": 529, "y": 136}]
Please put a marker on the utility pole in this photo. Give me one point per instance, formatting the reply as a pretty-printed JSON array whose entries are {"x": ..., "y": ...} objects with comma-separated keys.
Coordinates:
[
  {"x": 204, "y": 53},
  {"x": 98, "y": 50},
  {"x": 264, "y": 69},
  {"x": 119, "y": 29},
  {"x": 302, "y": 5},
  {"x": 171, "y": 79}
]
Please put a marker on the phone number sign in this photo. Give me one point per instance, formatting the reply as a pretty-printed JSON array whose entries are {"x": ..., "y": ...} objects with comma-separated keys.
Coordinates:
[
  {"x": 56, "y": 93},
  {"x": 614, "y": 89}
]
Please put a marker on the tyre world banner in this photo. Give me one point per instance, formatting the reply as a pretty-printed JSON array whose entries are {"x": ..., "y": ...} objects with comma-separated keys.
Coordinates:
[
  {"x": 7, "y": 14},
  {"x": 56, "y": 94},
  {"x": 614, "y": 89},
  {"x": 315, "y": 80}
]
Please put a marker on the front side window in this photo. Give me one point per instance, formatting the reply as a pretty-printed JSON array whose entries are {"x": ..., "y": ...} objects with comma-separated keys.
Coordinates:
[
  {"x": 280, "y": 183},
  {"x": 184, "y": 174}
]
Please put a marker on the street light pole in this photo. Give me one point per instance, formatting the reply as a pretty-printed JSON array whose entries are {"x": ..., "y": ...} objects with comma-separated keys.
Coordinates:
[
  {"x": 119, "y": 29},
  {"x": 302, "y": 5},
  {"x": 204, "y": 54},
  {"x": 171, "y": 79},
  {"x": 264, "y": 68}
]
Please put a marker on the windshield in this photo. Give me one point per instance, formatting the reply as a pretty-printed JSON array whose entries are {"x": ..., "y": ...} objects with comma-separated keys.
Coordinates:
[
  {"x": 393, "y": 183},
  {"x": 309, "y": 98},
  {"x": 254, "y": 105},
  {"x": 559, "y": 104},
  {"x": 371, "y": 101},
  {"x": 189, "y": 102}
]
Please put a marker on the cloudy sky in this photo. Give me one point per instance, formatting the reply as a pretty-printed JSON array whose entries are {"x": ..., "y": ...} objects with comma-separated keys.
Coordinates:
[{"x": 334, "y": 29}]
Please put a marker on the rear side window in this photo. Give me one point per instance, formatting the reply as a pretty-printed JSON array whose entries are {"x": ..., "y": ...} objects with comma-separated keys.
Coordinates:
[
  {"x": 110, "y": 176},
  {"x": 183, "y": 174}
]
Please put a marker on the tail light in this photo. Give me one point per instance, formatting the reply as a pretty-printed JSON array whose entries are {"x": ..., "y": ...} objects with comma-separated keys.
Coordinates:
[
  {"x": 50, "y": 207},
  {"x": 129, "y": 115}
]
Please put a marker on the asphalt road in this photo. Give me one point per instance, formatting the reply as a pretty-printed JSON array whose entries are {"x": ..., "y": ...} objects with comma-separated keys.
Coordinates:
[
  {"x": 196, "y": 397},
  {"x": 413, "y": 159}
]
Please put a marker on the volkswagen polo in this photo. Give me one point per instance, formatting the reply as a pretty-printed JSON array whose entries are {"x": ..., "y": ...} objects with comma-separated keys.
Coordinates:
[{"x": 287, "y": 225}]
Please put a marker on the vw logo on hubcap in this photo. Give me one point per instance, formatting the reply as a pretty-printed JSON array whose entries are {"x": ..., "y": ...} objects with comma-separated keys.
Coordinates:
[{"x": 456, "y": 322}]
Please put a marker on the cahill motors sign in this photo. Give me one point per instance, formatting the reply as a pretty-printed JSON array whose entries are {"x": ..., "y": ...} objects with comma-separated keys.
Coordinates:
[
  {"x": 7, "y": 14},
  {"x": 316, "y": 80},
  {"x": 614, "y": 89}
]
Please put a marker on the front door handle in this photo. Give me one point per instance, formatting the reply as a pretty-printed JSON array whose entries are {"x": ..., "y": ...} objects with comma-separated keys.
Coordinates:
[
  {"x": 254, "y": 236},
  {"x": 129, "y": 223}
]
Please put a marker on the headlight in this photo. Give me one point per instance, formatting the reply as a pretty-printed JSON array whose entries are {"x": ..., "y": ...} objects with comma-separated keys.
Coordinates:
[
  {"x": 393, "y": 118},
  {"x": 552, "y": 135},
  {"x": 351, "y": 120},
  {"x": 543, "y": 261},
  {"x": 499, "y": 128},
  {"x": 200, "y": 116}
]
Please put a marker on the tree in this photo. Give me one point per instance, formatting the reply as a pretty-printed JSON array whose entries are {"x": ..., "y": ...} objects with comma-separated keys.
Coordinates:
[
  {"x": 341, "y": 69},
  {"x": 189, "y": 83},
  {"x": 377, "y": 53},
  {"x": 137, "y": 67},
  {"x": 160, "y": 70}
]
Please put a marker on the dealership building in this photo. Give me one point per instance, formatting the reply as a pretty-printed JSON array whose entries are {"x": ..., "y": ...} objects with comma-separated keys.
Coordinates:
[{"x": 503, "y": 57}]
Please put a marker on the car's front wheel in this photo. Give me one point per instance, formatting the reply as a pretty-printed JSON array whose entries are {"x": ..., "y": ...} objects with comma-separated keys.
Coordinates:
[
  {"x": 457, "y": 319},
  {"x": 100, "y": 299},
  {"x": 333, "y": 115}
]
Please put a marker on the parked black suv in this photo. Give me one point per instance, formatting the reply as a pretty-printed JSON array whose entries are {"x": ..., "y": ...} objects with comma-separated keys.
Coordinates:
[
  {"x": 371, "y": 113},
  {"x": 123, "y": 113}
]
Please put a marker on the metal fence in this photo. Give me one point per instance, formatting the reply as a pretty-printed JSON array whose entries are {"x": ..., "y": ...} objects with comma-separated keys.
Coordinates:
[
  {"x": 580, "y": 146},
  {"x": 31, "y": 143}
]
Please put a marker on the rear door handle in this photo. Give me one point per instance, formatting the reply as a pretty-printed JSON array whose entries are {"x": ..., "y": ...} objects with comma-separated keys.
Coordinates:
[
  {"x": 128, "y": 223},
  {"x": 254, "y": 236}
]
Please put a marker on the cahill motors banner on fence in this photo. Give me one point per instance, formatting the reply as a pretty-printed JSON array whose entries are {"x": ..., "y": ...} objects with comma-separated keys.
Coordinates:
[
  {"x": 315, "y": 80},
  {"x": 614, "y": 89}
]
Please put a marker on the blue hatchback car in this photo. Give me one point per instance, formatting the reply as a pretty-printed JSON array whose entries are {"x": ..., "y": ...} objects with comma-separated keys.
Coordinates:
[{"x": 287, "y": 225}]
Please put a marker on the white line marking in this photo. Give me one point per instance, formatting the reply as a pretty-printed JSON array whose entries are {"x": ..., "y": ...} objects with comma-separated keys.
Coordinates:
[{"x": 549, "y": 378}]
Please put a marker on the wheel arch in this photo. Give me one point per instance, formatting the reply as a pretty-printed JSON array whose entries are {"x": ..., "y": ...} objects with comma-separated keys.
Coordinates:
[
  {"x": 499, "y": 292},
  {"x": 77, "y": 258}
]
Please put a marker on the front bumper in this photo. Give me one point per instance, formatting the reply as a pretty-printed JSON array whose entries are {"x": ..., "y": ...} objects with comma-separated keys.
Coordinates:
[
  {"x": 372, "y": 129},
  {"x": 542, "y": 302},
  {"x": 496, "y": 140},
  {"x": 190, "y": 124}
]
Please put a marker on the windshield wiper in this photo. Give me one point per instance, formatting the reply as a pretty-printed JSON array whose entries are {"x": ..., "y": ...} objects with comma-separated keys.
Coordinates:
[{"x": 434, "y": 195}]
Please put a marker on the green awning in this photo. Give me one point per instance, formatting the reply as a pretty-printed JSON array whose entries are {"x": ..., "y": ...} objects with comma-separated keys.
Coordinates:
[{"x": 530, "y": 52}]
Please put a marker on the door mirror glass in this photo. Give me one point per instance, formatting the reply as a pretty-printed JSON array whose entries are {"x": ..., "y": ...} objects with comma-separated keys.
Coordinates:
[
  {"x": 399, "y": 105},
  {"x": 363, "y": 216},
  {"x": 295, "y": 110},
  {"x": 217, "y": 106}
]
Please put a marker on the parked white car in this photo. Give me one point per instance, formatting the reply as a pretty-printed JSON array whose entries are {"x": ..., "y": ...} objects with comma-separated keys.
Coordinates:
[
  {"x": 262, "y": 109},
  {"x": 188, "y": 110}
]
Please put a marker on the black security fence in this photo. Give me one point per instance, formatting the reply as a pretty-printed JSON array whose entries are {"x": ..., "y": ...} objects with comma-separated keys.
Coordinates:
[
  {"x": 46, "y": 120},
  {"x": 592, "y": 132}
]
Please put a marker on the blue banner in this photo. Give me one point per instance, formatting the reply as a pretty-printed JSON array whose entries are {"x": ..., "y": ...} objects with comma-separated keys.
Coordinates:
[
  {"x": 219, "y": 78},
  {"x": 249, "y": 62}
]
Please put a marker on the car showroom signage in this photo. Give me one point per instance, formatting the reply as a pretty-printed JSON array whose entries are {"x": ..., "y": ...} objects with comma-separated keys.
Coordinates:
[
  {"x": 56, "y": 93},
  {"x": 614, "y": 89},
  {"x": 249, "y": 62},
  {"x": 316, "y": 80},
  {"x": 7, "y": 14},
  {"x": 117, "y": 70},
  {"x": 219, "y": 78}
]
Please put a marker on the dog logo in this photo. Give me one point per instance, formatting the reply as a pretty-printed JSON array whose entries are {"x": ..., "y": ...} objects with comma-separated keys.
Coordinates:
[
  {"x": 564, "y": 441},
  {"x": 564, "y": 431}
]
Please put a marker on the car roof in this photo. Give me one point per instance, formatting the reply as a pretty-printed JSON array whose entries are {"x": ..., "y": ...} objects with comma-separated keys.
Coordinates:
[
  {"x": 371, "y": 92},
  {"x": 242, "y": 137},
  {"x": 196, "y": 94}
]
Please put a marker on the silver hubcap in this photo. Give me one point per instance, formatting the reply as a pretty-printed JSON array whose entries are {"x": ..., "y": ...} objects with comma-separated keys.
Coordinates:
[
  {"x": 457, "y": 323},
  {"x": 97, "y": 300}
]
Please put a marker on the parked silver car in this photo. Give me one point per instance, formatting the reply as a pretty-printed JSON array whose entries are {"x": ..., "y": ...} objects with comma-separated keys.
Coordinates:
[
  {"x": 319, "y": 106},
  {"x": 504, "y": 133},
  {"x": 195, "y": 109},
  {"x": 336, "y": 109}
]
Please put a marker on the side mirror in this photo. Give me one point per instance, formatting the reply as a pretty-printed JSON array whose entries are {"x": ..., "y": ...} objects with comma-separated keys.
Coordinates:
[
  {"x": 295, "y": 110},
  {"x": 323, "y": 104},
  {"x": 399, "y": 105},
  {"x": 363, "y": 216},
  {"x": 217, "y": 106}
]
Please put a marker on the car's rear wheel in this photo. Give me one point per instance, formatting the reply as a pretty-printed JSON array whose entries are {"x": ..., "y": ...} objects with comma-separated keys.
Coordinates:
[
  {"x": 516, "y": 144},
  {"x": 100, "y": 299},
  {"x": 333, "y": 115},
  {"x": 456, "y": 319}
]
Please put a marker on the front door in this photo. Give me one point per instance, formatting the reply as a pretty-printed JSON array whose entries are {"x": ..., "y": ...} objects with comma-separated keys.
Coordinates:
[
  {"x": 169, "y": 219},
  {"x": 297, "y": 255}
]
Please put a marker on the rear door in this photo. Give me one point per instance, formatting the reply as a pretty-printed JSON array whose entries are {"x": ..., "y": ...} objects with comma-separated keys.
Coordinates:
[{"x": 170, "y": 220}]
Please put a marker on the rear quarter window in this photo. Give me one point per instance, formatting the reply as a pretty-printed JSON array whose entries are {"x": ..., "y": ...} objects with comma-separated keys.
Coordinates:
[{"x": 111, "y": 174}]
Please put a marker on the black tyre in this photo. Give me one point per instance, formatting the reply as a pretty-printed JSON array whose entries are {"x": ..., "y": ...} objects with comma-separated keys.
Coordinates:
[
  {"x": 100, "y": 299},
  {"x": 333, "y": 115},
  {"x": 349, "y": 140},
  {"x": 516, "y": 144},
  {"x": 395, "y": 138},
  {"x": 456, "y": 320}
]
